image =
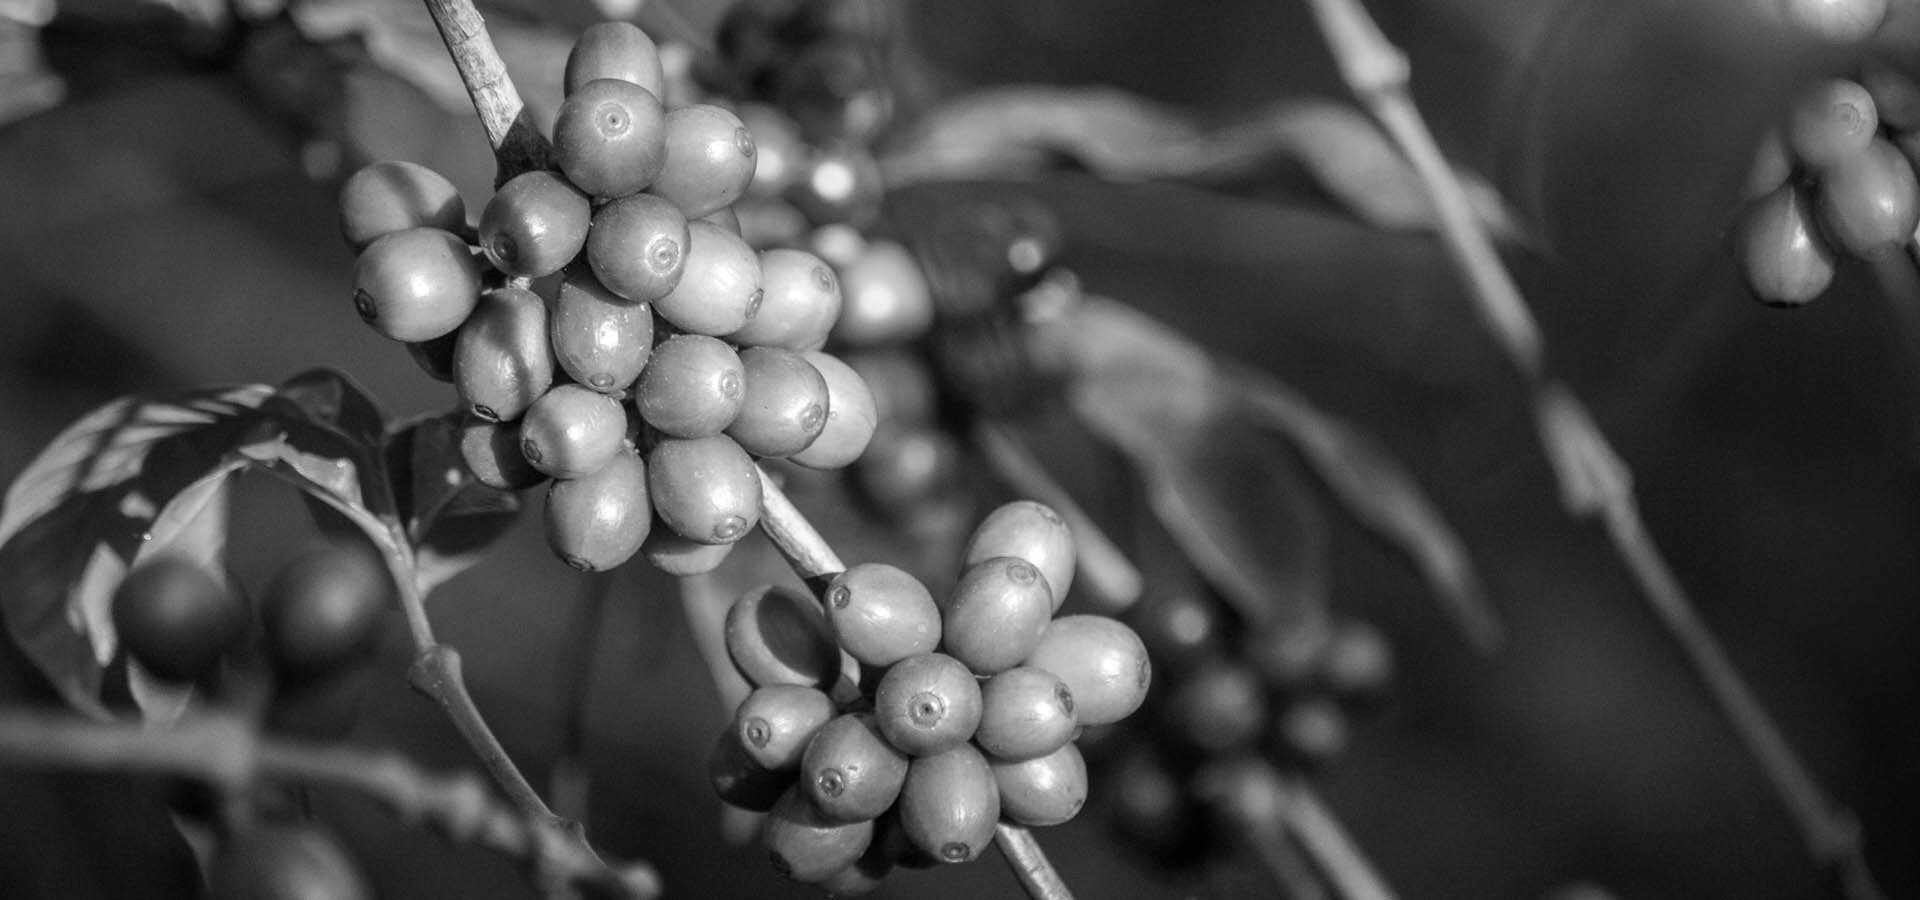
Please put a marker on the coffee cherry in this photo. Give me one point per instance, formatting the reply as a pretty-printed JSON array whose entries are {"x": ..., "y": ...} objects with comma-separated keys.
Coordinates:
[
  {"x": 800, "y": 301},
  {"x": 720, "y": 289},
  {"x": 1784, "y": 258},
  {"x": 598, "y": 520},
  {"x": 609, "y": 137},
  {"x": 776, "y": 635},
  {"x": 1024, "y": 713},
  {"x": 285, "y": 862},
  {"x": 614, "y": 50},
  {"x": 902, "y": 388},
  {"x": 1834, "y": 21},
  {"x": 979, "y": 253},
  {"x": 706, "y": 489},
  {"x": 776, "y": 722},
  {"x": 741, "y": 782},
  {"x": 880, "y": 614},
  {"x": 1896, "y": 96},
  {"x": 393, "y": 195},
  {"x": 1044, "y": 790},
  {"x": 692, "y": 387},
  {"x": 779, "y": 151},
  {"x": 805, "y": 845},
  {"x": 927, "y": 703},
  {"x": 950, "y": 804},
  {"x": 323, "y": 610},
  {"x": 884, "y": 297},
  {"x": 600, "y": 339},
  {"x": 841, "y": 183},
  {"x": 1358, "y": 664},
  {"x": 1830, "y": 121},
  {"x": 1031, "y": 531},
  {"x": 637, "y": 247},
  {"x": 1180, "y": 625},
  {"x": 492, "y": 454},
  {"x": 1103, "y": 663},
  {"x": 851, "y": 420},
  {"x": 728, "y": 219},
  {"x": 710, "y": 159},
  {"x": 1218, "y": 707},
  {"x": 677, "y": 556},
  {"x": 784, "y": 405},
  {"x": 1771, "y": 166},
  {"x": 416, "y": 284},
  {"x": 1311, "y": 730},
  {"x": 176, "y": 618},
  {"x": 572, "y": 431},
  {"x": 435, "y": 357},
  {"x": 503, "y": 359},
  {"x": 1289, "y": 657},
  {"x": 534, "y": 224},
  {"x": 903, "y": 468},
  {"x": 1869, "y": 203},
  {"x": 993, "y": 618},
  {"x": 850, "y": 771}
]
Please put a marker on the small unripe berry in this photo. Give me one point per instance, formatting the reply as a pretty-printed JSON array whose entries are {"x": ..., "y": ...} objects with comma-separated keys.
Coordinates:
[
  {"x": 1024, "y": 713},
  {"x": 598, "y": 520},
  {"x": 707, "y": 489},
  {"x": 600, "y": 339},
  {"x": 805, "y": 845},
  {"x": 692, "y": 387},
  {"x": 323, "y": 610},
  {"x": 1783, "y": 256},
  {"x": 393, "y": 195},
  {"x": 534, "y": 224},
  {"x": 784, "y": 405},
  {"x": 719, "y": 290},
  {"x": 572, "y": 431},
  {"x": 950, "y": 804},
  {"x": 614, "y": 50},
  {"x": 416, "y": 284},
  {"x": 177, "y": 618},
  {"x": 776, "y": 722},
  {"x": 927, "y": 703}
]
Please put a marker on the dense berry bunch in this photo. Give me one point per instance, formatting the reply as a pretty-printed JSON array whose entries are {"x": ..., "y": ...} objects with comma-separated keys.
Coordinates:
[
  {"x": 892, "y": 728},
  {"x": 607, "y": 326}
]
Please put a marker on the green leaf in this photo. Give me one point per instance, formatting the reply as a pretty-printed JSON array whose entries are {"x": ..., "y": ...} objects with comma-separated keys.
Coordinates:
[{"x": 450, "y": 518}]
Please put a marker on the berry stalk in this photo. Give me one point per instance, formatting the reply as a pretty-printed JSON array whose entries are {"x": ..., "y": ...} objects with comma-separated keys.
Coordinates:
[{"x": 518, "y": 146}]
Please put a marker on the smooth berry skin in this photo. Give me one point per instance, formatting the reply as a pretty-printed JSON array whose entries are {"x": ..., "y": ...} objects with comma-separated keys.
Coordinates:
[
  {"x": 1031, "y": 531},
  {"x": 572, "y": 431},
  {"x": 994, "y": 616},
  {"x": 850, "y": 771},
  {"x": 323, "y": 610},
  {"x": 784, "y": 403},
  {"x": 799, "y": 303},
  {"x": 692, "y": 387},
  {"x": 393, "y": 195},
  {"x": 950, "y": 804},
  {"x": 775, "y": 723},
  {"x": 1101, "y": 660},
  {"x": 637, "y": 247},
  {"x": 1868, "y": 204},
  {"x": 677, "y": 556},
  {"x": 1311, "y": 730},
  {"x": 176, "y": 618},
  {"x": 926, "y": 704},
  {"x": 851, "y": 417},
  {"x": 614, "y": 50},
  {"x": 1834, "y": 21},
  {"x": 600, "y": 339},
  {"x": 1289, "y": 658},
  {"x": 885, "y": 298},
  {"x": 841, "y": 183},
  {"x": 706, "y": 489},
  {"x": 491, "y": 451},
  {"x": 1782, "y": 255},
  {"x": 1045, "y": 790},
  {"x": 719, "y": 290},
  {"x": 535, "y": 224},
  {"x": 1831, "y": 121},
  {"x": 416, "y": 284},
  {"x": 1218, "y": 707},
  {"x": 1181, "y": 625},
  {"x": 710, "y": 159},
  {"x": 880, "y": 614},
  {"x": 285, "y": 862},
  {"x": 780, "y": 153},
  {"x": 609, "y": 137},
  {"x": 1024, "y": 713},
  {"x": 776, "y": 635},
  {"x": 597, "y": 521},
  {"x": 806, "y": 846},
  {"x": 503, "y": 358}
]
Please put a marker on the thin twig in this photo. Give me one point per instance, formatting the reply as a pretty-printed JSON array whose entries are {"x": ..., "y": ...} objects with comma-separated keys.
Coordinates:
[
  {"x": 816, "y": 564},
  {"x": 705, "y": 605},
  {"x": 1594, "y": 481},
  {"x": 518, "y": 146},
  {"x": 1314, "y": 826},
  {"x": 1108, "y": 575},
  {"x": 569, "y": 783}
]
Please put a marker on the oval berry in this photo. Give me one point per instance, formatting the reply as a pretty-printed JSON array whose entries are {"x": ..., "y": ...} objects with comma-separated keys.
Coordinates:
[
  {"x": 572, "y": 431},
  {"x": 394, "y": 195},
  {"x": 597, "y": 521},
  {"x": 610, "y": 137},
  {"x": 705, "y": 489},
  {"x": 741, "y": 782},
  {"x": 993, "y": 618},
  {"x": 776, "y": 635},
  {"x": 880, "y": 614},
  {"x": 1044, "y": 790},
  {"x": 1180, "y": 626},
  {"x": 534, "y": 224},
  {"x": 614, "y": 50},
  {"x": 1031, "y": 531},
  {"x": 841, "y": 183},
  {"x": 1869, "y": 203},
  {"x": 600, "y": 339},
  {"x": 677, "y": 556},
  {"x": 323, "y": 610},
  {"x": 692, "y": 387},
  {"x": 1218, "y": 707},
  {"x": 776, "y": 721},
  {"x": 710, "y": 159},
  {"x": 1311, "y": 730},
  {"x": 884, "y": 297},
  {"x": 926, "y": 704},
  {"x": 783, "y": 407},
  {"x": 719, "y": 290},
  {"x": 779, "y": 153},
  {"x": 492, "y": 454},
  {"x": 1101, "y": 660},
  {"x": 851, "y": 419},
  {"x": 176, "y": 618},
  {"x": 637, "y": 247},
  {"x": 1834, "y": 21},
  {"x": 1784, "y": 258},
  {"x": 1831, "y": 120},
  {"x": 950, "y": 804},
  {"x": 807, "y": 846},
  {"x": 1024, "y": 713},
  {"x": 850, "y": 771},
  {"x": 503, "y": 359},
  {"x": 285, "y": 862},
  {"x": 1358, "y": 662},
  {"x": 416, "y": 284},
  {"x": 800, "y": 299}
]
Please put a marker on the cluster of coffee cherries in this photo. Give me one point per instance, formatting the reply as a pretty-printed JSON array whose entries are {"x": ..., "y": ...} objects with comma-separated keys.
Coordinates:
[
  {"x": 606, "y": 325},
  {"x": 889, "y": 728},
  {"x": 297, "y": 664},
  {"x": 1283, "y": 696}
]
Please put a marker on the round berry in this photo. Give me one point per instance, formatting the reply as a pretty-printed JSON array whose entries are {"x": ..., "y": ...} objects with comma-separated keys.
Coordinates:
[
  {"x": 779, "y": 151},
  {"x": 692, "y": 386},
  {"x": 1031, "y": 531},
  {"x": 637, "y": 246},
  {"x": 572, "y": 431},
  {"x": 610, "y": 137},
  {"x": 799, "y": 303},
  {"x": 534, "y": 224},
  {"x": 1180, "y": 625},
  {"x": 850, "y": 771},
  {"x": 677, "y": 556},
  {"x": 807, "y": 846},
  {"x": 1311, "y": 730},
  {"x": 784, "y": 405},
  {"x": 776, "y": 722},
  {"x": 884, "y": 297},
  {"x": 323, "y": 610},
  {"x": 285, "y": 862},
  {"x": 851, "y": 419},
  {"x": 1101, "y": 660},
  {"x": 614, "y": 50},
  {"x": 1784, "y": 258},
  {"x": 776, "y": 635},
  {"x": 1358, "y": 663},
  {"x": 416, "y": 284},
  {"x": 1044, "y": 790},
  {"x": 503, "y": 359},
  {"x": 492, "y": 453},
  {"x": 950, "y": 804},
  {"x": 1868, "y": 203},
  {"x": 927, "y": 703},
  {"x": 881, "y": 614},
  {"x": 1025, "y": 713},
  {"x": 597, "y": 521},
  {"x": 600, "y": 339},
  {"x": 710, "y": 159},
  {"x": 393, "y": 195},
  {"x": 993, "y": 618},
  {"x": 1218, "y": 707},
  {"x": 719, "y": 290},
  {"x": 1830, "y": 121},
  {"x": 1288, "y": 656},
  {"x": 841, "y": 183},
  {"x": 706, "y": 489},
  {"x": 1834, "y": 21},
  {"x": 176, "y": 618}
]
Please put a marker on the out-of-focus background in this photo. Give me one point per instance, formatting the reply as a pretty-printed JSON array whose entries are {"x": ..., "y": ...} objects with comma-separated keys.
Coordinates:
[{"x": 170, "y": 222}]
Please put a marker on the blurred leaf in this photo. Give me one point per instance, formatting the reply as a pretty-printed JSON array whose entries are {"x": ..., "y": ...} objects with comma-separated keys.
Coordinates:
[
  {"x": 1029, "y": 131},
  {"x": 450, "y": 518},
  {"x": 1235, "y": 505},
  {"x": 335, "y": 430}
]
